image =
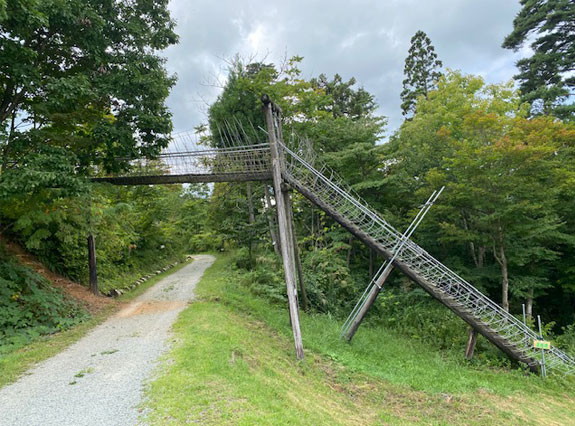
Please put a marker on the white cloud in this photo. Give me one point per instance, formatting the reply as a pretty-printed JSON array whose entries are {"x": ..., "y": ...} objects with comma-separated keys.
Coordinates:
[{"x": 360, "y": 38}]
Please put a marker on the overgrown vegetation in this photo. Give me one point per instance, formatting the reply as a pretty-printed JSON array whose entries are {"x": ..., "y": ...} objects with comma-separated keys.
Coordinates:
[
  {"x": 31, "y": 307},
  {"x": 502, "y": 221}
]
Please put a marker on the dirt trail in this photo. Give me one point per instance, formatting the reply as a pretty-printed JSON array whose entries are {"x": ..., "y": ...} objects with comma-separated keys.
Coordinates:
[{"x": 99, "y": 379}]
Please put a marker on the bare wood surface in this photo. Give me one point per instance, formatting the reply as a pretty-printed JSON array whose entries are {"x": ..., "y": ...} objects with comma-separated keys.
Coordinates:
[
  {"x": 491, "y": 335},
  {"x": 188, "y": 178},
  {"x": 471, "y": 341},
  {"x": 298, "y": 265},
  {"x": 92, "y": 264},
  {"x": 286, "y": 242},
  {"x": 368, "y": 304}
]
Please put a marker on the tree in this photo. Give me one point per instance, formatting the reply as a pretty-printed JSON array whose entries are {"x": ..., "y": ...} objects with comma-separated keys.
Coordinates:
[
  {"x": 422, "y": 70},
  {"x": 498, "y": 220},
  {"x": 345, "y": 101},
  {"x": 546, "y": 77},
  {"x": 83, "y": 75}
]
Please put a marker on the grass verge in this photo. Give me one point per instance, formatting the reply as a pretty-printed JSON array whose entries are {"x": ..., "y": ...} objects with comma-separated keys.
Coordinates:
[{"x": 233, "y": 363}]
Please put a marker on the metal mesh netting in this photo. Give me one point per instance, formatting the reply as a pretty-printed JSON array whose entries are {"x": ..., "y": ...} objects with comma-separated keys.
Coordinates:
[{"x": 187, "y": 156}]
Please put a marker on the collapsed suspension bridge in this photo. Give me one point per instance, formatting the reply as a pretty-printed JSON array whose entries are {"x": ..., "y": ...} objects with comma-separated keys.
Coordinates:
[{"x": 297, "y": 166}]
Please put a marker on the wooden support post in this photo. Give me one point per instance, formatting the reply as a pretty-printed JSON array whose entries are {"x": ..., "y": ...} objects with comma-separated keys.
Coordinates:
[
  {"x": 92, "y": 264},
  {"x": 471, "y": 341},
  {"x": 368, "y": 303},
  {"x": 286, "y": 242},
  {"x": 299, "y": 269}
]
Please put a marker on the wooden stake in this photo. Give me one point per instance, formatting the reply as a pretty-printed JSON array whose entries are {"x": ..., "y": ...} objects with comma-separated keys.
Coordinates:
[
  {"x": 471, "y": 341},
  {"x": 285, "y": 241},
  {"x": 92, "y": 264}
]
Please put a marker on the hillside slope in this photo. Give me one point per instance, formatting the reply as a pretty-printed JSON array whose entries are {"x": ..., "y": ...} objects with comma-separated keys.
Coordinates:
[
  {"x": 233, "y": 364},
  {"x": 94, "y": 304}
]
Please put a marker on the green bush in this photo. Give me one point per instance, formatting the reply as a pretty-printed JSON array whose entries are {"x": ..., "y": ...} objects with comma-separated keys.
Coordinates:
[
  {"x": 264, "y": 279},
  {"x": 417, "y": 315},
  {"x": 329, "y": 283},
  {"x": 31, "y": 307},
  {"x": 566, "y": 340}
]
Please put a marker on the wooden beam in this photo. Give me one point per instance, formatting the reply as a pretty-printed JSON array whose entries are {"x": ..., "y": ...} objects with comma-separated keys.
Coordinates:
[
  {"x": 92, "y": 264},
  {"x": 368, "y": 304},
  {"x": 298, "y": 265},
  {"x": 471, "y": 341},
  {"x": 286, "y": 242},
  {"x": 187, "y": 178}
]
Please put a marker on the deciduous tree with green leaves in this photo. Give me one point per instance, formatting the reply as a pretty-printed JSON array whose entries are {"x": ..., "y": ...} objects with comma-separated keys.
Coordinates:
[
  {"x": 83, "y": 75},
  {"x": 504, "y": 176}
]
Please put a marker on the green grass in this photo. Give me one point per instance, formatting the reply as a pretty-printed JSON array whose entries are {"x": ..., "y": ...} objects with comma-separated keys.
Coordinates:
[
  {"x": 234, "y": 364},
  {"x": 14, "y": 364}
]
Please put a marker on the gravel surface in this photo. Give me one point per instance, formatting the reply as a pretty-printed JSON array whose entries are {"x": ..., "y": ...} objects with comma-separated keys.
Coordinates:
[{"x": 99, "y": 379}]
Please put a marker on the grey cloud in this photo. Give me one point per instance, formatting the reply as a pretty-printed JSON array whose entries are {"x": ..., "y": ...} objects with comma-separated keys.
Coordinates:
[{"x": 364, "y": 39}]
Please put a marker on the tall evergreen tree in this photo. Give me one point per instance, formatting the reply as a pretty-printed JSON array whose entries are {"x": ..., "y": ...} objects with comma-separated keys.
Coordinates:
[
  {"x": 546, "y": 77},
  {"x": 422, "y": 70}
]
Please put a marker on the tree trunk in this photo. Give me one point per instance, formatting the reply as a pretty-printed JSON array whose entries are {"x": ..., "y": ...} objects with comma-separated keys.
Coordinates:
[
  {"x": 252, "y": 217},
  {"x": 350, "y": 250},
  {"x": 481, "y": 257},
  {"x": 504, "y": 280},
  {"x": 529, "y": 307},
  {"x": 499, "y": 255}
]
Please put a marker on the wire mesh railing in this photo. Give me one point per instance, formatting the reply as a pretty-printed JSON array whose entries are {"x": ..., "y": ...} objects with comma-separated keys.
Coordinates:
[
  {"x": 250, "y": 159},
  {"x": 187, "y": 154},
  {"x": 304, "y": 169}
]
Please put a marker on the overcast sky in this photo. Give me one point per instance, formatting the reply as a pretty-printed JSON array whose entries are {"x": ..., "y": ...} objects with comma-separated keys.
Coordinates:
[{"x": 364, "y": 39}]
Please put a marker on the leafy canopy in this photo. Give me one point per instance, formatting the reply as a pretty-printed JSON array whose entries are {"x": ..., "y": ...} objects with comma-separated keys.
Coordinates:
[{"x": 83, "y": 75}]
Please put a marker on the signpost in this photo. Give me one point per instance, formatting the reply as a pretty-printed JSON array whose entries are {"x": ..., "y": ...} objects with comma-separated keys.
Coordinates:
[{"x": 541, "y": 343}]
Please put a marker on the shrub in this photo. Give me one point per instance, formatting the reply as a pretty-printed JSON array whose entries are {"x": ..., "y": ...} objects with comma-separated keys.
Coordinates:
[
  {"x": 30, "y": 307},
  {"x": 328, "y": 281}
]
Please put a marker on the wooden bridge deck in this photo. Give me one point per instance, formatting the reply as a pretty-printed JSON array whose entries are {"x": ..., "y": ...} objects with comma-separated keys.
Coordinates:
[{"x": 185, "y": 178}]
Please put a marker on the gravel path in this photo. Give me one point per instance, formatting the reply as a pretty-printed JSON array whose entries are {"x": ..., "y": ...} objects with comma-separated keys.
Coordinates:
[{"x": 99, "y": 379}]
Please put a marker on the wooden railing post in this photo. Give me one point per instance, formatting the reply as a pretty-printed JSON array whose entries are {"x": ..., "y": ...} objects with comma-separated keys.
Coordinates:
[{"x": 286, "y": 239}]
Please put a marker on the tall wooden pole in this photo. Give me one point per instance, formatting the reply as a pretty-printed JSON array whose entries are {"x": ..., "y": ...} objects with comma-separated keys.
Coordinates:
[
  {"x": 92, "y": 264},
  {"x": 286, "y": 242}
]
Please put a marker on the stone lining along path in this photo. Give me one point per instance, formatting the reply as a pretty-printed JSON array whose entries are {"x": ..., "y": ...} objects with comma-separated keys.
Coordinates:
[{"x": 99, "y": 379}]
